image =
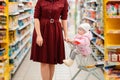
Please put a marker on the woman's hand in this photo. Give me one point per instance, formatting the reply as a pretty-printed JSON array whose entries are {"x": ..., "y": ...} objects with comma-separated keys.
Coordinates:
[
  {"x": 39, "y": 40},
  {"x": 66, "y": 38}
]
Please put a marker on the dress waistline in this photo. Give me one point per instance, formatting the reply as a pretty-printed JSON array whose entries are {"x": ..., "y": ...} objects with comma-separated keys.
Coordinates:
[{"x": 50, "y": 20}]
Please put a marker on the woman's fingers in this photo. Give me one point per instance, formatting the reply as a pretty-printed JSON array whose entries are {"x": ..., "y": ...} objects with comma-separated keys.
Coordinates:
[{"x": 39, "y": 41}]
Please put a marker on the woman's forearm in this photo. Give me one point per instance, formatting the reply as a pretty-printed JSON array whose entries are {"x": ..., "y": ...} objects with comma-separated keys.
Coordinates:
[
  {"x": 64, "y": 24},
  {"x": 37, "y": 27}
]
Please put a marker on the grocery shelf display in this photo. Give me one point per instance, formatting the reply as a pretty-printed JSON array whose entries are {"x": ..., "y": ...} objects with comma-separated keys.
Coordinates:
[
  {"x": 112, "y": 38},
  {"x": 16, "y": 23}
]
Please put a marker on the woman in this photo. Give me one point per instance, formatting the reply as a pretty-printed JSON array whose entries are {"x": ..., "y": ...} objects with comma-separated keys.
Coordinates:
[{"x": 48, "y": 43}]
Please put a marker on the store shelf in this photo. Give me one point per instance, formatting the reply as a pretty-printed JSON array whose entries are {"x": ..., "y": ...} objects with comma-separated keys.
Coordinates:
[
  {"x": 20, "y": 38},
  {"x": 2, "y": 14},
  {"x": 15, "y": 13},
  {"x": 12, "y": 10},
  {"x": 24, "y": 35},
  {"x": 101, "y": 50},
  {"x": 20, "y": 60},
  {"x": 23, "y": 17},
  {"x": 27, "y": 9},
  {"x": 112, "y": 21},
  {"x": 90, "y": 1},
  {"x": 24, "y": 0},
  {"x": 1, "y": 41},
  {"x": 113, "y": 32},
  {"x": 3, "y": 63},
  {"x": 2, "y": 28},
  {"x": 17, "y": 52},
  {"x": 91, "y": 10},
  {"x": 2, "y": 0},
  {"x": 26, "y": 24},
  {"x": 21, "y": 11},
  {"x": 114, "y": 63},
  {"x": 90, "y": 19},
  {"x": 95, "y": 56},
  {"x": 113, "y": 47},
  {"x": 2, "y": 71},
  {"x": 14, "y": 42},
  {"x": 13, "y": 28},
  {"x": 113, "y": 0},
  {"x": 114, "y": 17},
  {"x": 98, "y": 35}
]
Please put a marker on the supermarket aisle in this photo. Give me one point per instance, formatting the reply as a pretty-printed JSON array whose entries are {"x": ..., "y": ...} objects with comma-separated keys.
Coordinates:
[{"x": 30, "y": 70}]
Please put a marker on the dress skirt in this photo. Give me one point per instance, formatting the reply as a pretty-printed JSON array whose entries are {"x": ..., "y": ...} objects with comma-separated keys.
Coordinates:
[{"x": 52, "y": 51}]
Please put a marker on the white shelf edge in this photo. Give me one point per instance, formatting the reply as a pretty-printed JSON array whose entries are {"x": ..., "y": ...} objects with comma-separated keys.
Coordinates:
[
  {"x": 27, "y": 9},
  {"x": 15, "y": 13},
  {"x": 90, "y": 19},
  {"x": 14, "y": 42},
  {"x": 21, "y": 11},
  {"x": 24, "y": 1},
  {"x": 98, "y": 47},
  {"x": 2, "y": 14},
  {"x": 21, "y": 59},
  {"x": 14, "y": 28},
  {"x": 114, "y": 63},
  {"x": 23, "y": 17},
  {"x": 26, "y": 24},
  {"x": 98, "y": 35},
  {"x": 117, "y": 16},
  {"x": 113, "y": 47},
  {"x": 91, "y": 1},
  {"x": 113, "y": 32},
  {"x": 91, "y": 10},
  {"x": 24, "y": 35},
  {"x": 17, "y": 52},
  {"x": 113, "y": 0}
]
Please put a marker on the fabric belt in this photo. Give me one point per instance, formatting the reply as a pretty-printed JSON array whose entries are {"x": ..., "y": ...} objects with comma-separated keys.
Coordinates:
[{"x": 50, "y": 20}]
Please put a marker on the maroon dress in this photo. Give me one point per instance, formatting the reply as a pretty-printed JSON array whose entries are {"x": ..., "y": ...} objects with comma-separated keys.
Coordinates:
[{"x": 49, "y": 12}]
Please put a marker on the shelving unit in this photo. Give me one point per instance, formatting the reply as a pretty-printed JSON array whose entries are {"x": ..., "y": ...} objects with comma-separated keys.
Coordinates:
[
  {"x": 20, "y": 34},
  {"x": 92, "y": 12},
  {"x": 4, "y": 41},
  {"x": 112, "y": 38},
  {"x": 97, "y": 34},
  {"x": 15, "y": 35},
  {"x": 99, "y": 48}
]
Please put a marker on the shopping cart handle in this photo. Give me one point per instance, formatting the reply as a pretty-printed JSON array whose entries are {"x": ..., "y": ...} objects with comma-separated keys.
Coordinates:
[
  {"x": 110, "y": 66},
  {"x": 96, "y": 65},
  {"x": 99, "y": 65}
]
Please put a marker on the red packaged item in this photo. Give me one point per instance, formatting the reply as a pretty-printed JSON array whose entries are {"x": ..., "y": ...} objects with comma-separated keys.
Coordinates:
[{"x": 76, "y": 42}]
